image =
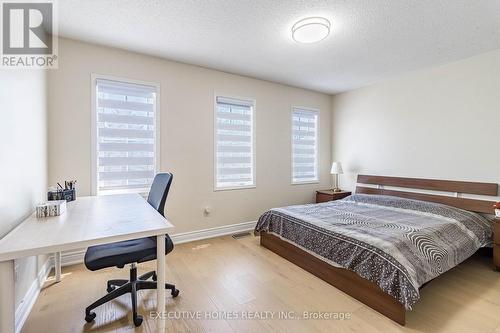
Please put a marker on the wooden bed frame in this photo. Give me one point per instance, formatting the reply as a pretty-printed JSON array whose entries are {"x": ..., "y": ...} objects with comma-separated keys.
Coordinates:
[{"x": 352, "y": 284}]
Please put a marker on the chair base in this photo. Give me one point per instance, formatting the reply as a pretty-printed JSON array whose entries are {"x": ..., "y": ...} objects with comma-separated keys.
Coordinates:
[{"x": 117, "y": 288}]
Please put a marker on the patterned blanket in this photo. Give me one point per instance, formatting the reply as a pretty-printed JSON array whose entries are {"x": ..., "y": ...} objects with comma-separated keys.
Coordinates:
[{"x": 397, "y": 243}]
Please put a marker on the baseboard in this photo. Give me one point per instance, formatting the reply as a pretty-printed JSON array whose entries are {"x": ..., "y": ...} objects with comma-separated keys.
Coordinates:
[
  {"x": 24, "y": 309},
  {"x": 212, "y": 232},
  {"x": 73, "y": 257},
  {"x": 76, "y": 257}
]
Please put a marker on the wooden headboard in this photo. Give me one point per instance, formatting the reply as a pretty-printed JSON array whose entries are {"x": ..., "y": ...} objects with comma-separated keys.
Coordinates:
[{"x": 454, "y": 187}]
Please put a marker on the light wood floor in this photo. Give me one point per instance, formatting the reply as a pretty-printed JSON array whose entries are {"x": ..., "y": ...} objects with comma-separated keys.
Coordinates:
[{"x": 224, "y": 274}]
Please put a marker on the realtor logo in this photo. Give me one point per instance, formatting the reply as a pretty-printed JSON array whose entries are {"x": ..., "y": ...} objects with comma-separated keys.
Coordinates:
[{"x": 28, "y": 34}]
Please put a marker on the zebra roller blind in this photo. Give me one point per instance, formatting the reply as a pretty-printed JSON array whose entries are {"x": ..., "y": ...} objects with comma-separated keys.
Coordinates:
[
  {"x": 234, "y": 143},
  {"x": 126, "y": 136},
  {"x": 304, "y": 145}
]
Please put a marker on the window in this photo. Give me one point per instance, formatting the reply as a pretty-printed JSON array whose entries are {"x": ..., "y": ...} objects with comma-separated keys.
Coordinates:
[
  {"x": 304, "y": 145},
  {"x": 234, "y": 144},
  {"x": 125, "y": 130}
]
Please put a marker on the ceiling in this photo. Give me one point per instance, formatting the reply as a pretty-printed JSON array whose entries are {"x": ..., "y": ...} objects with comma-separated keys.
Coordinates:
[{"x": 370, "y": 39}]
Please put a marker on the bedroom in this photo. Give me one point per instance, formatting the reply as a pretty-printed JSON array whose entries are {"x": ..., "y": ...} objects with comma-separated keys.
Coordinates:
[{"x": 397, "y": 89}]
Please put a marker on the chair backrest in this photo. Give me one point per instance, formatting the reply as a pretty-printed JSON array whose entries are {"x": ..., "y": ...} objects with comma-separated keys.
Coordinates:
[{"x": 159, "y": 191}]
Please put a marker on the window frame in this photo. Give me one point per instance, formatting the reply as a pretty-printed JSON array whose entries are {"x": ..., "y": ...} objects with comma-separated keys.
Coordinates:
[
  {"x": 94, "y": 137},
  {"x": 317, "y": 145},
  {"x": 254, "y": 146}
]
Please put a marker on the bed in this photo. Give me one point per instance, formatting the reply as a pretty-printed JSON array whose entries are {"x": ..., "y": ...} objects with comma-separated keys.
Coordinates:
[{"x": 382, "y": 245}]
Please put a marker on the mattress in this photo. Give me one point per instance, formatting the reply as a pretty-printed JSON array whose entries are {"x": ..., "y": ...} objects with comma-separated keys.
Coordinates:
[{"x": 399, "y": 244}]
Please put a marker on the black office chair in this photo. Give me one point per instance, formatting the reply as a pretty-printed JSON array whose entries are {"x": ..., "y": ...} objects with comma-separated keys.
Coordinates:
[{"x": 131, "y": 252}]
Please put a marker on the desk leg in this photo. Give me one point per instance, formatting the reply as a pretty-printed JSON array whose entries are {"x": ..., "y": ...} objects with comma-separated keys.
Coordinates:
[
  {"x": 57, "y": 266},
  {"x": 160, "y": 282},
  {"x": 7, "y": 299}
]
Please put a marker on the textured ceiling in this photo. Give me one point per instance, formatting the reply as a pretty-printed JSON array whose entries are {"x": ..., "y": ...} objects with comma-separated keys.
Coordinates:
[{"x": 370, "y": 39}]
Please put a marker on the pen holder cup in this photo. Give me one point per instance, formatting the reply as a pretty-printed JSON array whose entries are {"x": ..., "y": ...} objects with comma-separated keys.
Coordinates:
[{"x": 68, "y": 195}]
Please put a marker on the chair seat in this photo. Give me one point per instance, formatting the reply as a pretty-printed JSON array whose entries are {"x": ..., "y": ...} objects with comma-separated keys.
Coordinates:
[{"x": 126, "y": 252}]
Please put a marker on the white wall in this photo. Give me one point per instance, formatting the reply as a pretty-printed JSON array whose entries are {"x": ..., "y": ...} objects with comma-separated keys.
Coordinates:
[
  {"x": 437, "y": 123},
  {"x": 187, "y": 101},
  {"x": 23, "y": 156}
]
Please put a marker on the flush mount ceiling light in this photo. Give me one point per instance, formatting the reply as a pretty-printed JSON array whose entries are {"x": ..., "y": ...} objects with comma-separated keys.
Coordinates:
[{"x": 311, "y": 30}]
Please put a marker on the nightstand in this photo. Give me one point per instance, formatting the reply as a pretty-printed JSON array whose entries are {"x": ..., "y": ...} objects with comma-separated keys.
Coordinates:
[
  {"x": 496, "y": 244},
  {"x": 329, "y": 195}
]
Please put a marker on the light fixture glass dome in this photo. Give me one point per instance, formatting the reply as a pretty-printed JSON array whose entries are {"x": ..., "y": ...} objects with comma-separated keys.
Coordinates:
[{"x": 311, "y": 30}]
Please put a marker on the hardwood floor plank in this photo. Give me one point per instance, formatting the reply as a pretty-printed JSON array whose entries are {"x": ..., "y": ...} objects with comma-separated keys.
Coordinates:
[{"x": 224, "y": 275}]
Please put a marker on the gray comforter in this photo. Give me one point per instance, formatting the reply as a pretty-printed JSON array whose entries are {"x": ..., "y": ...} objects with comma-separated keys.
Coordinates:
[{"x": 399, "y": 244}]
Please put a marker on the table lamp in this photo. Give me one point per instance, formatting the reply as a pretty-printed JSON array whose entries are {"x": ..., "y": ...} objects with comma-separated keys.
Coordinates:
[{"x": 336, "y": 170}]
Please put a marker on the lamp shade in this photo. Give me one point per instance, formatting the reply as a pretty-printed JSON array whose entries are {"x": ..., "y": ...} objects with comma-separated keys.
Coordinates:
[{"x": 336, "y": 168}]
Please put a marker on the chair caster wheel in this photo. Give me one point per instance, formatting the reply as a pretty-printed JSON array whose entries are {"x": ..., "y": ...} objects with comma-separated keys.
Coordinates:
[
  {"x": 137, "y": 321},
  {"x": 175, "y": 293},
  {"x": 154, "y": 277},
  {"x": 90, "y": 317},
  {"x": 110, "y": 289}
]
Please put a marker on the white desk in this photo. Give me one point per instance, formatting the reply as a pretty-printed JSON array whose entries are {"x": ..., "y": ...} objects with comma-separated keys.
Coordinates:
[{"x": 88, "y": 221}]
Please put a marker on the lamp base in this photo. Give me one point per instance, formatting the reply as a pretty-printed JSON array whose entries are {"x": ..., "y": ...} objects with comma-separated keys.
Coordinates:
[{"x": 336, "y": 188}]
